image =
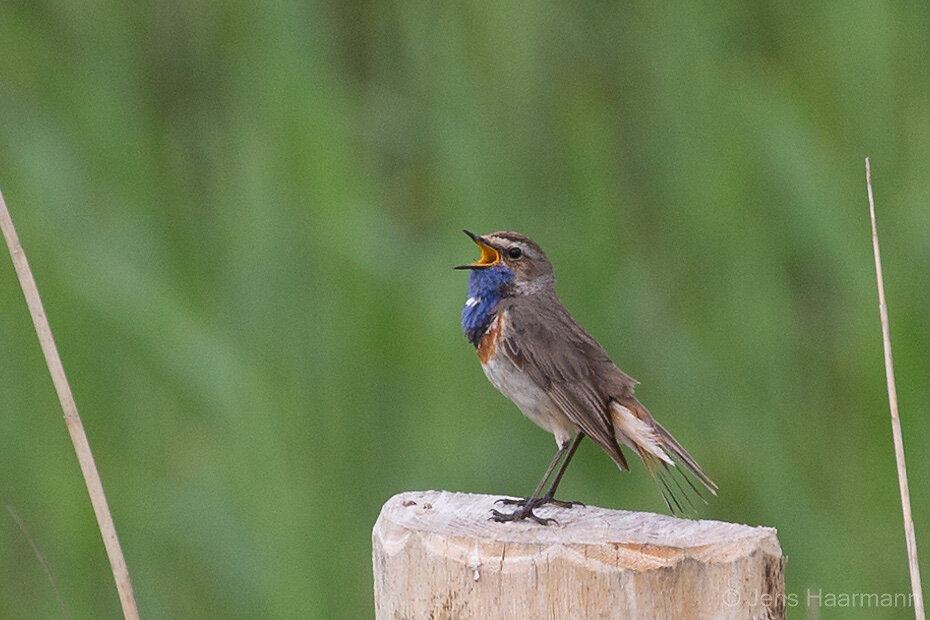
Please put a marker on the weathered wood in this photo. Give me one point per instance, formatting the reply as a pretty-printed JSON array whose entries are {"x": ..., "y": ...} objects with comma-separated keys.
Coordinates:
[{"x": 436, "y": 555}]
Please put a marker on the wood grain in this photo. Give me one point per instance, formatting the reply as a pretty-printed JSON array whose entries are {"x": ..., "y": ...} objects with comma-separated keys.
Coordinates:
[{"x": 436, "y": 555}]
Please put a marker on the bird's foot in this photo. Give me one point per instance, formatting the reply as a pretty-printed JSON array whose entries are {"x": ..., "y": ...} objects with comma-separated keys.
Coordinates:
[
  {"x": 518, "y": 515},
  {"x": 526, "y": 508},
  {"x": 541, "y": 501}
]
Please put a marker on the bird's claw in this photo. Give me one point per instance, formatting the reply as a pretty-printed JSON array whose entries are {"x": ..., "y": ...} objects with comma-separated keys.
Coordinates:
[
  {"x": 562, "y": 503},
  {"x": 542, "y": 501},
  {"x": 519, "y": 515},
  {"x": 526, "y": 507},
  {"x": 507, "y": 501}
]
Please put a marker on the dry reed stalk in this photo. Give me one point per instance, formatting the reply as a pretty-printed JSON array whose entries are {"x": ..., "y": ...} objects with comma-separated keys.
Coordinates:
[
  {"x": 909, "y": 536},
  {"x": 72, "y": 419}
]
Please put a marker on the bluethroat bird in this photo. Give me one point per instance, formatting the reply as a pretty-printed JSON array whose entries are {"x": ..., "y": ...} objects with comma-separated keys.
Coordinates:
[{"x": 538, "y": 356}]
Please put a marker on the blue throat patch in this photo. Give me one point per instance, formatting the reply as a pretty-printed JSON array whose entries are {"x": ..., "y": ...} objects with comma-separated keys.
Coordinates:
[{"x": 485, "y": 288}]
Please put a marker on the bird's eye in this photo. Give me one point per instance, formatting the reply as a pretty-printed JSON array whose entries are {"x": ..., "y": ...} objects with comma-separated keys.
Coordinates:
[{"x": 515, "y": 253}]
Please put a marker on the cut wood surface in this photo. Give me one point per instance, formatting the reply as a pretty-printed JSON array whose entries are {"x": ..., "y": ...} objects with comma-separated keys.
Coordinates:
[{"x": 436, "y": 555}]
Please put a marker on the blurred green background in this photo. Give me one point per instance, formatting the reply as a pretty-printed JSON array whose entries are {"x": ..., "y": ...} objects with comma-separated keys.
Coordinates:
[{"x": 243, "y": 219}]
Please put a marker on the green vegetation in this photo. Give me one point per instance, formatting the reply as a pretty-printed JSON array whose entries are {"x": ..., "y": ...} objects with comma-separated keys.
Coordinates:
[{"x": 243, "y": 219}]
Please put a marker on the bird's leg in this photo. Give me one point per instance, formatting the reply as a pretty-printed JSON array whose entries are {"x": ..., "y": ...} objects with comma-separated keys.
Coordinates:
[
  {"x": 534, "y": 501},
  {"x": 527, "y": 505},
  {"x": 549, "y": 498}
]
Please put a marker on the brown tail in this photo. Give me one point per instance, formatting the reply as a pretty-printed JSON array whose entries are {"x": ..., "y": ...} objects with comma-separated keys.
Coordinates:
[
  {"x": 670, "y": 485},
  {"x": 670, "y": 465}
]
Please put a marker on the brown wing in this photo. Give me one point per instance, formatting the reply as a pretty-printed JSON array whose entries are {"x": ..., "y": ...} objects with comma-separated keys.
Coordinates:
[{"x": 569, "y": 365}]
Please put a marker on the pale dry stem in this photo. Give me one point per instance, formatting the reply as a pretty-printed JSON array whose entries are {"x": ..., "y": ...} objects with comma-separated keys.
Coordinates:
[
  {"x": 909, "y": 536},
  {"x": 72, "y": 419}
]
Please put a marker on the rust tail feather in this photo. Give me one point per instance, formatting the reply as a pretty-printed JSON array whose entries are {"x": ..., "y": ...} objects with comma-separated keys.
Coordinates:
[
  {"x": 677, "y": 475},
  {"x": 677, "y": 481}
]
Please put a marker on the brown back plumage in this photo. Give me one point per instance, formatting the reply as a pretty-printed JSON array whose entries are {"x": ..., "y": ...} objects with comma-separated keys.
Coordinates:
[{"x": 564, "y": 360}]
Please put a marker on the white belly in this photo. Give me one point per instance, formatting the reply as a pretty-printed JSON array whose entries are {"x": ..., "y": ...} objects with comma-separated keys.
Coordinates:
[{"x": 531, "y": 400}]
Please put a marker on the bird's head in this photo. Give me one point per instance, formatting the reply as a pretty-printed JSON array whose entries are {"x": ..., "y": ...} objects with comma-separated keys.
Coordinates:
[{"x": 514, "y": 253}]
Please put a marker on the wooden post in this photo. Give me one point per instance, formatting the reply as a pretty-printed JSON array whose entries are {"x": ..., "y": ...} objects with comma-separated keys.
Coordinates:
[{"x": 436, "y": 555}]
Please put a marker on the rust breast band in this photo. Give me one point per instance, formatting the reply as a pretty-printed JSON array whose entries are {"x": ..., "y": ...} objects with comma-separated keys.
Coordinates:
[{"x": 487, "y": 346}]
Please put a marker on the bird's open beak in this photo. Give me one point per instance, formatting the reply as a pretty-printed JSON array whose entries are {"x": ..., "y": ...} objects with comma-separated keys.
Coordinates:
[{"x": 489, "y": 255}]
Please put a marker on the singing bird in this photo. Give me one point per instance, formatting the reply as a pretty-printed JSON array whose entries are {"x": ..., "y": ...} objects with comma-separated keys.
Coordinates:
[{"x": 555, "y": 372}]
